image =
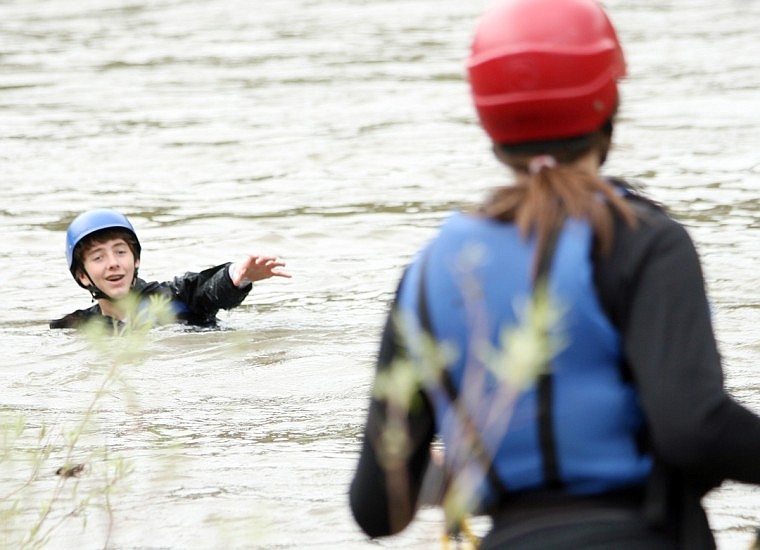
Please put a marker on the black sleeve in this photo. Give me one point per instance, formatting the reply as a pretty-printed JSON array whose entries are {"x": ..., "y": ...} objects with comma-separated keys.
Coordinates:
[
  {"x": 76, "y": 319},
  {"x": 383, "y": 498},
  {"x": 653, "y": 289},
  {"x": 207, "y": 292}
]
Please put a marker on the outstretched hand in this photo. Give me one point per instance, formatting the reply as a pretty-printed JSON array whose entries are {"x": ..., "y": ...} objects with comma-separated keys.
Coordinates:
[{"x": 256, "y": 268}]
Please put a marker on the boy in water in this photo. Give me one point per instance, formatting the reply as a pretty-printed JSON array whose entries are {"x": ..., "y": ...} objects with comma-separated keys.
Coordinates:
[{"x": 103, "y": 254}]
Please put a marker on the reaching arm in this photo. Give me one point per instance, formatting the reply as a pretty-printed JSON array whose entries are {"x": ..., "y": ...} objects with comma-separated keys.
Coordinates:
[{"x": 208, "y": 291}]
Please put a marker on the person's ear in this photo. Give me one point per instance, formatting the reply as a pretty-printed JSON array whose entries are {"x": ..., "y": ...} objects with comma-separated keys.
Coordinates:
[
  {"x": 499, "y": 153},
  {"x": 137, "y": 263},
  {"x": 82, "y": 278}
]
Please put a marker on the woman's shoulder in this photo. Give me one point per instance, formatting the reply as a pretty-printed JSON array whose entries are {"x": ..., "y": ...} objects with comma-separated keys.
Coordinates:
[{"x": 652, "y": 217}]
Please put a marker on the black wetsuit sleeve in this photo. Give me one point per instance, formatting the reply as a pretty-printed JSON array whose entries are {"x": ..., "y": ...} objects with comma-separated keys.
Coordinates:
[
  {"x": 76, "y": 319},
  {"x": 654, "y": 290},
  {"x": 383, "y": 499},
  {"x": 203, "y": 294},
  {"x": 208, "y": 291}
]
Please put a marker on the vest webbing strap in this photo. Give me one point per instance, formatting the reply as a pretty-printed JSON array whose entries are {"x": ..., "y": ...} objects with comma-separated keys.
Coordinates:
[
  {"x": 544, "y": 388},
  {"x": 546, "y": 431},
  {"x": 479, "y": 448},
  {"x": 545, "y": 385}
]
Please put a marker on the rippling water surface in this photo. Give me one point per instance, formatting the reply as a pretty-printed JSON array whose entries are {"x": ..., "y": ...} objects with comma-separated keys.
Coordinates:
[{"x": 336, "y": 134}]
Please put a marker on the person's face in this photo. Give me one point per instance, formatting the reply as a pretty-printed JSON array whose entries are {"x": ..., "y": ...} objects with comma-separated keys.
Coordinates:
[{"x": 111, "y": 266}]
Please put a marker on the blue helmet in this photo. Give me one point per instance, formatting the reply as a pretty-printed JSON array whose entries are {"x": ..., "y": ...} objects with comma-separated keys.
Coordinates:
[{"x": 88, "y": 223}]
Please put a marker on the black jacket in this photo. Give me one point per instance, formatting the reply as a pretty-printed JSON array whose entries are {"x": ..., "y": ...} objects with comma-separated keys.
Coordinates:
[{"x": 200, "y": 295}]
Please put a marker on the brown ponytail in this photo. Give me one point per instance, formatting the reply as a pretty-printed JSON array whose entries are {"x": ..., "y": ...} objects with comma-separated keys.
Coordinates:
[{"x": 541, "y": 200}]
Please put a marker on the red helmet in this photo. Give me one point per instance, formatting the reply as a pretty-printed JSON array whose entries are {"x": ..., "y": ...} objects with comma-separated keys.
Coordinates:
[{"x": 544, "y": 69}]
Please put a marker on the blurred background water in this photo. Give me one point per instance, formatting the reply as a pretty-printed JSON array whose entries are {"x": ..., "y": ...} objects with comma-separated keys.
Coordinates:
[{"x": 336, "y": 134}]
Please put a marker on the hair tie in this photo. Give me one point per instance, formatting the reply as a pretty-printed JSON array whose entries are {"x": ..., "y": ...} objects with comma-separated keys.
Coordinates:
[{"x": 536, "y": 164}]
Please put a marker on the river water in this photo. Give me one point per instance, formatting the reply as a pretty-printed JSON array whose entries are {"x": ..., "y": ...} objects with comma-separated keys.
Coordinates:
[{"x": 336, "y": 134}]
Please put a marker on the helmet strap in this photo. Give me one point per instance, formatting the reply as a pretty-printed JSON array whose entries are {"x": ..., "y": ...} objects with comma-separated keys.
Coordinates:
[{"x": 97, "y": 294}]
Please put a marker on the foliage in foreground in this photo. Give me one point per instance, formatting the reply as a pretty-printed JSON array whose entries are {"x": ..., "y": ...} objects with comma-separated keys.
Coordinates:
[{"x": 56, "y": 474}]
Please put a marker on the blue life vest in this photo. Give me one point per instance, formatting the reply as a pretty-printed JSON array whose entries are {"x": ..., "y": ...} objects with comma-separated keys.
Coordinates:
[{"x": 477, "y": 281}]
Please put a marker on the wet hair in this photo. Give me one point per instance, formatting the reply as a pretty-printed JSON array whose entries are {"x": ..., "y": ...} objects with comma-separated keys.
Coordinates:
[
  {"x": 539, "y": 203},
  {"x": 102, "y": 236}
]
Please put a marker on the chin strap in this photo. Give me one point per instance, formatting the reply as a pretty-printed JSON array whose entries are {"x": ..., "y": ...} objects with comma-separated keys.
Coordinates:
[{"x": 96, "y": 293}]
